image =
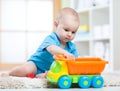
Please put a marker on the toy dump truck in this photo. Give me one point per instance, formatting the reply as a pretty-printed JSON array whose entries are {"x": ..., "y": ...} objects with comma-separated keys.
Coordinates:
[{"x": 83, "y": 71}]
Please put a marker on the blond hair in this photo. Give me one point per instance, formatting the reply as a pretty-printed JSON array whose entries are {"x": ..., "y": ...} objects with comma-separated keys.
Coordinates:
[{"x": 67, "y": 11}]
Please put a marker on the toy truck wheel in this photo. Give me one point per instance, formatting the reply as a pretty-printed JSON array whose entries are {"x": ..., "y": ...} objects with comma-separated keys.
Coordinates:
[
  {"x": 84, "y": 82},
  {"x": 97, "y": 82},
  {"x": 64, "y": 82}
]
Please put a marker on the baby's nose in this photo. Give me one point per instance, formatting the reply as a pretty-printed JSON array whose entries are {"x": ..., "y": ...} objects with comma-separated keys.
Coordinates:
[{"x": 69, "y": 33}]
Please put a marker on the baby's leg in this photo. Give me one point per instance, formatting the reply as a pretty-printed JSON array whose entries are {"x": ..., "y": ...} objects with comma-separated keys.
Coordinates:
[{"x": 22, "y": 71}]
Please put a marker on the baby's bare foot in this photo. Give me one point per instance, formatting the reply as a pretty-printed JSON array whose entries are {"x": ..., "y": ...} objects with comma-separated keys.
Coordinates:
[
  {"x": 42, "y": 75},
  {"x": 4, "y": 74}
]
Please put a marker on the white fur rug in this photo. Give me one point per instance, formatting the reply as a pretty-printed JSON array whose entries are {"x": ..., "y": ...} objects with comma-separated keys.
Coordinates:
[
  {"x": 24, "y": 82},
  {"x": 21, "y": 82},
  {"x": 111, "y": 79}
]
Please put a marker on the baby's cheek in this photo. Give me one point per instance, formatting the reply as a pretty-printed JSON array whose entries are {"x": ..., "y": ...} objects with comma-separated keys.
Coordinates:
[{"x": 72, "y": 37}]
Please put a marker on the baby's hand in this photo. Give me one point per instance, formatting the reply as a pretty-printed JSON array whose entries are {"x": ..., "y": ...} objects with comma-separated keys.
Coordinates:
[{"x": 69, "y": 56}]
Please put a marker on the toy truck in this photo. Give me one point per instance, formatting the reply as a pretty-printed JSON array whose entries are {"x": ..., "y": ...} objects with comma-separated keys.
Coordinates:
[{"x": 86, "y": 72}]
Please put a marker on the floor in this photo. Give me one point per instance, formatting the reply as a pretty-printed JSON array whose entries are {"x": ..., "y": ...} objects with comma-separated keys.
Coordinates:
[
  {"x": 112, "y": 88},
  {"x": 71, "y": 89}
]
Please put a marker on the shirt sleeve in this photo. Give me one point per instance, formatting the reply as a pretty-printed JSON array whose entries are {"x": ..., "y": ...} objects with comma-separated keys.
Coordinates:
[
  {"x": 41, "y": 52},
  {"x": 50, "y": 40}
]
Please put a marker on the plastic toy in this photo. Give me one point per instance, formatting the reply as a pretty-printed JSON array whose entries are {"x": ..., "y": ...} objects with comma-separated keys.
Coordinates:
[
  {"x": 30, "y": 75},
  {"x": 83, "y": 71}
]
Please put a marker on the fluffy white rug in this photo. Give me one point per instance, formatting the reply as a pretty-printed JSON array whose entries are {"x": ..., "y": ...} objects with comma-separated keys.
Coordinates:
[
  {"x": 24, "y": 82},
  {"x": 21, "y": 82},
  {"x": 111, "y": 79}
]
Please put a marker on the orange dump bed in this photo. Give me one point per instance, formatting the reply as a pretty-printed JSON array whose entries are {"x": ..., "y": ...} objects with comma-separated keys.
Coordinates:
[
  {"x": 83, "y": 65},
  {"x": 86, "y": 66}
]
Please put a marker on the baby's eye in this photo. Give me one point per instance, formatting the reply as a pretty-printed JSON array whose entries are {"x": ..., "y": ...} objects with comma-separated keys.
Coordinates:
[
  {"x": 66, "y": 30},
  {"x": 73, "y": 32}
]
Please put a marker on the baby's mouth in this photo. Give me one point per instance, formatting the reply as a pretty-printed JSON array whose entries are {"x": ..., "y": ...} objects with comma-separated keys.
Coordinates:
[{"x": 67, "y": 38}]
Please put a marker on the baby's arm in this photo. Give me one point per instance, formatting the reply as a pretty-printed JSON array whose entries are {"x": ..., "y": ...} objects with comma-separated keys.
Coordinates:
[{"x": 53, "y": 49}]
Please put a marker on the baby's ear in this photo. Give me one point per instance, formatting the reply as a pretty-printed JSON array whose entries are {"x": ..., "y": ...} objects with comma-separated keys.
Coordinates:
[{"x": 55, "y": 23}]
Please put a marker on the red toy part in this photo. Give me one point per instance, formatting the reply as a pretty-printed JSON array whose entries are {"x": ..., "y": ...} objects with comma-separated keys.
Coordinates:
[{"x": 31, "y": 75}]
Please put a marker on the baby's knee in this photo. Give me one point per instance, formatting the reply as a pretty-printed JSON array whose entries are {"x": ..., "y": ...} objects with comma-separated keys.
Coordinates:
[
  {"x": 27, "y": 69},
  {"x": 23, "y": 69}
]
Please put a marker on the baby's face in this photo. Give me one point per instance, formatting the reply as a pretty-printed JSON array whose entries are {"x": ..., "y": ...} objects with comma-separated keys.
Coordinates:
[{"x": 67, "y": 28}]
